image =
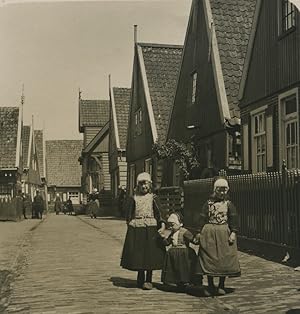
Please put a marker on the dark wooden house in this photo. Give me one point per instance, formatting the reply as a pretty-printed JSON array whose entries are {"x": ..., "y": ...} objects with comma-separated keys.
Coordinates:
[
  {"x": 206, "y": 111},
  {"x": 93, "y": 123},
  {"x": 63, "y": 170},
  {"x": 119, "y": 111},
  {"x": 269, "y": 90},
  {"x": 155, "y": 72}
]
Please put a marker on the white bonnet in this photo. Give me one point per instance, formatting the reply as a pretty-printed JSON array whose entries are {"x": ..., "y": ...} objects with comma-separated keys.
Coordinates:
[
  {"x": 221, "y": 183},
  {"x": 175, "y": 219},
  {"x": 143, "y": 176}
]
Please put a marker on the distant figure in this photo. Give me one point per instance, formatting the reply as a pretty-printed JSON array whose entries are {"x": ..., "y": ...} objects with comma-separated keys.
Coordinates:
[
  {"x": 20, "y": 204},
  {"x": 57, "y": 204},
  {"x": 121, "y": 200},
  {"x": 38, "y": 205},
  {"x": 94, "y": 205},
  {"x": 27, "y": 204},
  {"x": 69, "y": 206}
]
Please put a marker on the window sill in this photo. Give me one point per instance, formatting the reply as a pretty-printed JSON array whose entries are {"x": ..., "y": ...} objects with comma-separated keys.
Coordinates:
[{"x": 286, "y": 33}]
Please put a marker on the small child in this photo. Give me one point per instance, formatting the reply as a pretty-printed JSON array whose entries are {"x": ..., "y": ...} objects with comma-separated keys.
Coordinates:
[{"x": 180, "y": 261}]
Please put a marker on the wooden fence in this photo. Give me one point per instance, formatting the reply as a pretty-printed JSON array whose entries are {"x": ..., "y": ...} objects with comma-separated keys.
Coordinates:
[
  {"x": 268, "y": 205},
  {"x": 171, "y": 199}
]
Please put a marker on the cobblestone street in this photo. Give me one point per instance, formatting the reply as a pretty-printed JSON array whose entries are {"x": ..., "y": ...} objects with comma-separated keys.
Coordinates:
[{"x": 69, "y": 264}]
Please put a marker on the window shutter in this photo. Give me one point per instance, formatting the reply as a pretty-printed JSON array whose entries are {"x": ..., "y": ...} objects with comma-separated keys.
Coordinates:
[
  {"x": 269, "y": 131},
  {"x": 245, "y": 147}
]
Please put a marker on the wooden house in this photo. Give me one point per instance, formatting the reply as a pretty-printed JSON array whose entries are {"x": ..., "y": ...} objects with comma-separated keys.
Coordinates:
[
  {"x": 119, "y": 111},
  {"x": 63, "y": 170},
  {"x": 31, "y": 180},
  {"x": 11, "y": 167},
  {"x": 206, "y": 111},
  {"x": 155, "y": 72},
  {"x": 94, "y": 124},
  {"x": 269, "y": 90}
]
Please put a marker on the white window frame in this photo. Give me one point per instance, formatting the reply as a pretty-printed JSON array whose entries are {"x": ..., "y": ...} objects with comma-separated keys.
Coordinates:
[
  {"x": 286, "y": 21},
  {"x": 148, "y": 166},
  {"x": 283, "y": 120},
  {"x": 259, "y": 159},
  {"x": 74, "y": 197}
]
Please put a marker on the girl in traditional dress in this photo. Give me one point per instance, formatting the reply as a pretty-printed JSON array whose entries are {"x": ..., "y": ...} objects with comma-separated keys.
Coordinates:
[
  {"x": 217, "y": 238},
  {"x": 180, "y": 261},
  {"x": 143, "y": 249}
]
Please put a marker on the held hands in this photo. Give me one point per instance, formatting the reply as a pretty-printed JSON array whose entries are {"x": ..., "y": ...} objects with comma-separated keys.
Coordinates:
[
  {"x": 161, "y": 230},
  {"x": 232, "y": 238}
]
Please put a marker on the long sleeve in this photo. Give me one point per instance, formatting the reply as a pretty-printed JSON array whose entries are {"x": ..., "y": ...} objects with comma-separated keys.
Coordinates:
[
  {"x": 232, "y": 217},
  {"x": 157, "y": 210},
  {"x": 129, "y": 209},
  {"x": 203, "y": 219}
]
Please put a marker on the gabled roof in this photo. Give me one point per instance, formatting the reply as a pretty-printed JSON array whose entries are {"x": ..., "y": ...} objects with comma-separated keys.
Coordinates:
[
  {"x": 232, "y": 22},
  {"x": 25, "y": 144},
  {"x": 39, "y": 144},
  {"x": 121, "y": 98},
  {"x": 63, "y": 168},
  {"x": 93, "y": 113},
  {"x": 97, "y": 139},
  {"x": 10, "y": 126},
  {"x": 161, "y": 64}
]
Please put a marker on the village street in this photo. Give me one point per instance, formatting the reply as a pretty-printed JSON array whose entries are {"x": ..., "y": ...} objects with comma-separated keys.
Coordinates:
[{"x": 68, "y": 264}]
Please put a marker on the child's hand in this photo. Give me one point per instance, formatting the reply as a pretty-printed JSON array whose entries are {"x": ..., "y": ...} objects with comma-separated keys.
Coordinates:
[{"x": 232, "y": 238}]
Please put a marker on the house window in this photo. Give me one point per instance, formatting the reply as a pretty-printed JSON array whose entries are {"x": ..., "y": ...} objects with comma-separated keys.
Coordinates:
[
  {"x": 74, "y": 197},
  {"x": 138, "y": 117},
  {"x": 194, "y": 87},
  {"x": 176, "y": 174},
  {"x": 131, "y": 178},
  {"x": 288, "y": 13},
  {"x": 259, "y": 142},
  {"x": 290, "y": 128},
  {"x": 148, "y": 166}
]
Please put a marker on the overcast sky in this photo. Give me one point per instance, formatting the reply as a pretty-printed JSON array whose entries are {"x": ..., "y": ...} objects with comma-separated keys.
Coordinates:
[{"x": 56, "y": 47}]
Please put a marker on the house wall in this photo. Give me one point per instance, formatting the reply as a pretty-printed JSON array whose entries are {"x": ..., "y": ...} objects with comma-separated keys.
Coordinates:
[
  {"x": 275, "y": 60},
  {"x": 89, "y": 133},
  {"x": 204, "y": 113},
  {"x": 138, "y": 146}
]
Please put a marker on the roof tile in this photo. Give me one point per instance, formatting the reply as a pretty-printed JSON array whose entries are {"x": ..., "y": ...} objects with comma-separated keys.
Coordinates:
[
  {"x": 9, "y": 117},
  {"x": 63, "y": 168}
]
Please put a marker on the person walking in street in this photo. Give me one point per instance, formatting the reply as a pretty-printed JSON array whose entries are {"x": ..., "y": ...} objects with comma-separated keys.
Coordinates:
[
  {"x": 181, "y": 260},
  {"x": 27, "y": 204},
  {"x": 218, "y": 226},
  {"x": 70, "y": 208},
  {"x": 94, "y": 205},
  {"x": 121, "y": 200},
  {"x": 57, "y": 204},
  {"x": 143, "y": 250},
  {"x": 38, "y": 205},
  {"x": 20, "y": 204}
]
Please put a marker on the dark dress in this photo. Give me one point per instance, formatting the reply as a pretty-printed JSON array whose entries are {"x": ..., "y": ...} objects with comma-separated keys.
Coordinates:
[
  {"x": 217, "y": 257},
  {"x": 143, "y": 248},
  {"x": 181, "y": 260}
]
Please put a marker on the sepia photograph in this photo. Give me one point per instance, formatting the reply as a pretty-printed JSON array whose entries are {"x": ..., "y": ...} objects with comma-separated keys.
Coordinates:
[{"x": 149, "y": 156}]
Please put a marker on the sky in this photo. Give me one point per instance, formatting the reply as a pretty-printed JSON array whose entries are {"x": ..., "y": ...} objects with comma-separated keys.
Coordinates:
[{"x": 54, "y": 48}]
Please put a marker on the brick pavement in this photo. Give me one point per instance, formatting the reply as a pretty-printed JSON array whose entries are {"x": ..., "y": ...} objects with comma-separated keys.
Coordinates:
[{"x": 71, "y": 265}]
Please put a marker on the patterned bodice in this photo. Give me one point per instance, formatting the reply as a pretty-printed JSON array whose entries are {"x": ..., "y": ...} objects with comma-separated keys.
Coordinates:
[
  {"x": 217, "y": 212},
  {"x": 144, "y": 215},
  {"x": 178, "y": 239}
]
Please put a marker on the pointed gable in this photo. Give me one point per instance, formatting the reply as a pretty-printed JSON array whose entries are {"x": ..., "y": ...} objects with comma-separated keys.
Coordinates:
[
  {"x": 121, "y": 102},
  {"x": 232, "y": 21},
  {"x": 162, "y": 65},
  {"x": 93, "y": 113},
  {"x": 63, "y": 167},
  {"x": 9, "y": 123},
  {"x": 39, "y": 144}
]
